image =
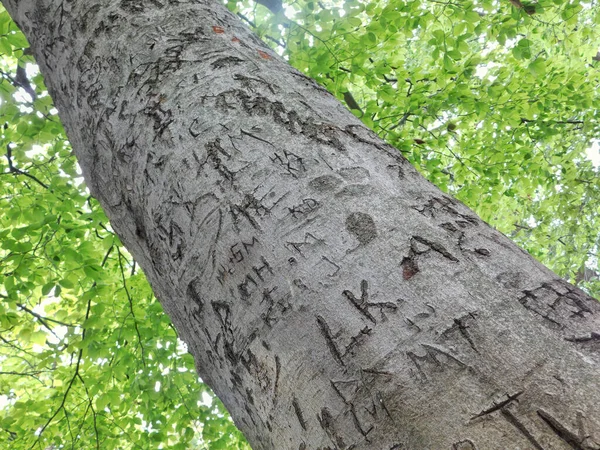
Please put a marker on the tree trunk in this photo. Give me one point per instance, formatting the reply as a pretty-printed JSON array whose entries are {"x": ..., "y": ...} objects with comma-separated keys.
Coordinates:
[{"x": 331, "y": 296}]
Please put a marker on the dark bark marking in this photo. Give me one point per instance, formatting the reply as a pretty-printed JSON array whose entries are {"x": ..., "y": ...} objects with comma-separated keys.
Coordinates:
[
  {"x": 223, "y": 313},
  {"x": 444, "y": 352},
  {"x": 373, "y": 410},
  {"x": 324, "y": 183},
  {"x": 444, "y": 205},
  {"x": 299, "y": 414},
  {"x": 418, "y": 246},
  {"x": 358, "y": 425},
  {"x": 398, "y": 169},
  {"x": 300, "y": 284},
  {"x": 327, "y": 424},
  {"x": 194, "y": 294},
  {"x": 576, "y": 442},
  {"x": 345, "y": 388},
  {"x": 409, "y": 267},
  {"x": 222, "y": 274},
  {"x": 213, "y": 150},
  {"x": 337, "y": 267},
  {"x": 498, "y": 406},
  {"x": 361, "y": 133},
  {"x": 357, "y": 340},
  {"x": 362, "y": 226},
  {"x": 244, "y": 288},
  {"x": 556, "y": 301},
  {"x": 255, "y": 367},
  {"x": 240, "y": 250},
  {"x": 307, "y": 206},
  {"x": 411, "y": 323},
  {"x": 433, "y": 246},
  {"x": 593, "y": 336},
  {"x": 162, "y": 117},
  {"x": 291, "y": 163},
  {"x": 249, "y": 203},
  {"x": 132, "y": 6},
  {"x": 195, "y": 131},
  {"x": 415, "y": 360},
  {"x": 381, "y": 402},
  {"x": 260, "y": 270},
  {"x": 530, "y": 302},
  {"x": 512, "y": 419},
  {"x": 323, "y": 133},
  {"x": 247, "y": 133},
  {"x": 448, "y": 226},
  {"x": 430, "y": 357},
  {"x": 460, "y": 325},
  {"x": 226, "y": 61},
  {"x": 378, "y": 372},
  {"x": 310, "y": 242},
  {"x": 276, "y": 309},
  {"x": 247, "y": 82},
  {"x": 329, "y": 340},
  {"x": 249, "y": 396},
  {"x": 363, "y": 304},
  {"x": 465, "y": 444},
  {"x": 277, "y": 373}
]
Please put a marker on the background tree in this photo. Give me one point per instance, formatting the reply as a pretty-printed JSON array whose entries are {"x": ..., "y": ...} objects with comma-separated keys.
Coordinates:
[{"x": 495, "y": 103}]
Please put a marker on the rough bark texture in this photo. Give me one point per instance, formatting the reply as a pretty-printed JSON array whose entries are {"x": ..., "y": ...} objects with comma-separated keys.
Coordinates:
[{"x": 331, "y": 296}]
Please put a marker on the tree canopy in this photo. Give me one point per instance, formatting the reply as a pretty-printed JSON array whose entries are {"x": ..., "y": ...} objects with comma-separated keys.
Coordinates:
[{"x": 496, "y": 102}]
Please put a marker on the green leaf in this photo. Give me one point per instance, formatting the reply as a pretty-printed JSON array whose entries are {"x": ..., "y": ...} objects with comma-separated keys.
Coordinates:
[{"x": 537, "y": 67}]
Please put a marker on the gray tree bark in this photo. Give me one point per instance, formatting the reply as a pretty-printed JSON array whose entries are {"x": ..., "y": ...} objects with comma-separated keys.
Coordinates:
[{"x": 331, "y": 296}]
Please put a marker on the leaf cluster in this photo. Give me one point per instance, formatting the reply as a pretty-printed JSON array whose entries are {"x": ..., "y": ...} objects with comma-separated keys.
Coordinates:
[{"x": 495, "y": 102}]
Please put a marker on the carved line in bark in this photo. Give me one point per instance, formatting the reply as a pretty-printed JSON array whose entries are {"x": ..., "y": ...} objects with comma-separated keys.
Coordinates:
[
  {"x": 437, "y": 205},
  {"x": 329, "y": 339},
  {"x": 556, "y": 301},
  {"x": 419, "y": 246},
  {"x": 310, "y": 242},
  {"x": 465, "y": 444},
  {"x": 346, "y": 390},
  {"x": 299, "y": 414},
  {"x": 579, "y": 440},
  {"x": 276, "y": 309},
  {"x": 327, "y": 423},
  {"x": 363, "y": 303},
  {"x": 497, "y": 406},
  {"x": 592, "y": 337},
  {"x": 430, "y": 361},
  {"x": 514, "y": 421},
  {"x": 461, "y": 325}
]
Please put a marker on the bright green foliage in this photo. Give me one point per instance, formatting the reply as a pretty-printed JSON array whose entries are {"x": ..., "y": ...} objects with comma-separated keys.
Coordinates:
[
  {"x": 88, "y": 359},
  {"x": 493, "y": 103}
]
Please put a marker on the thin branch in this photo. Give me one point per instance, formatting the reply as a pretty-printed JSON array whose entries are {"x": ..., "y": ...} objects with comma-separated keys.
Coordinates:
[
  {"x": 94, "y": 415},
  {"x": 39, "y": 317},
  {"x": 13, "y": 169},
  {"x": 137, "y": 330},
  {"x": 42, "y": 319}
]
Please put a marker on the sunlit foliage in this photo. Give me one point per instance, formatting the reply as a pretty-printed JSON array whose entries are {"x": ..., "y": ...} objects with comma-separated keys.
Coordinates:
[{"x": 496, "y": 102}]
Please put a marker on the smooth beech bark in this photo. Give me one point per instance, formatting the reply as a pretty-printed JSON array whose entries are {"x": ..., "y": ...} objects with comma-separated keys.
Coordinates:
[{"x": 330, "y": 295}]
